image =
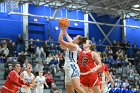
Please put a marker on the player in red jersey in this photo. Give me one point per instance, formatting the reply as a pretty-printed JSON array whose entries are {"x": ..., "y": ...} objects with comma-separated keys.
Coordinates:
[
  {"x": 104, "y": 74},
  {"x": 87, "y": 61},
  {"x": 13, "y": 81}
]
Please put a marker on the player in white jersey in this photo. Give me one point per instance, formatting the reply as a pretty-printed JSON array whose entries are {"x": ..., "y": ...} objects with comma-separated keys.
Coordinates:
[
  {"x": 40, "y": 81},
  {"x": 28, "y": 78},
  {"x": 72, "y": 72}
]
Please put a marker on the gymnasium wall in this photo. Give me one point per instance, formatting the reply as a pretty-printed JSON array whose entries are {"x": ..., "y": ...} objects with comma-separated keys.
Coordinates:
[
  {"x": 133, "y": 35},
  {"x": 44, "y": 28},
  {"x": 10, "y": 26},
  {"x": 94, "y": 31}
]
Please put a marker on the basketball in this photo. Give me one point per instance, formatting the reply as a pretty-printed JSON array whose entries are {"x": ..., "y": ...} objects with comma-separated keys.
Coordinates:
[{"x": 63, "y": 22}]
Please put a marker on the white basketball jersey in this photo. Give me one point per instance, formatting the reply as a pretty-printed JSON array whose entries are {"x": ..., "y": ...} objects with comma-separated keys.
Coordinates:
[
  {"x": 71, "y": 56},
  {"x": 27, "y": 79},
  {"x": 40, "y": 81}
]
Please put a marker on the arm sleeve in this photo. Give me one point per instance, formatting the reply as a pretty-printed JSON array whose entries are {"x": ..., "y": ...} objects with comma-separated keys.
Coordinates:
[{"x": 13, "y": 77}]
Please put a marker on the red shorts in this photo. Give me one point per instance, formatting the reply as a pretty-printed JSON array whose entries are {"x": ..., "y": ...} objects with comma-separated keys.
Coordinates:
[
  {"x": 89, "y": 80},
  {"x": 4, "y": 90}
]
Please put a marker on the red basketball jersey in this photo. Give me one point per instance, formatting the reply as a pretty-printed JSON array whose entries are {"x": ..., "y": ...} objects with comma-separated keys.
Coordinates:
[
  {"x": 86, "y": 61},
  {"x": 100, "y": 71}
]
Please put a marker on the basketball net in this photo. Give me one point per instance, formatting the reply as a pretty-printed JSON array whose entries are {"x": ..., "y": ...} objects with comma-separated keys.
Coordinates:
[{"x": 12, "y": 5}]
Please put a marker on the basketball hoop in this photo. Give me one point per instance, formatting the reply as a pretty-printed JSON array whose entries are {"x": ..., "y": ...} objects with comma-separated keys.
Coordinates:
[{"x": 12, "y": 5}]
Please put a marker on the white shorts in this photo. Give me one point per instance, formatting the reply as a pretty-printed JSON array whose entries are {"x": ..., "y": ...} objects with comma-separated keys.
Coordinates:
[
  {"x": 27, "y": 90},
  {"x": 39, "y": 90},
  {"x": 71, "y": 71},
  {"x": 104, "y": 88}
]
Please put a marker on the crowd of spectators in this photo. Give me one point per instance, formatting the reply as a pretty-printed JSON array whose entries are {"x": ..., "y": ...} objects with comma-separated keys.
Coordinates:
[
  {"x": 48, "y": 57},
  {"x": 41, "y": 57}
]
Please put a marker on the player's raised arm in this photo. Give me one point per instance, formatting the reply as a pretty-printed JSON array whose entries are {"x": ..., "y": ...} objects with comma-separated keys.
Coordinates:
[
  {"x": 63, "y": 43},
  {"x": 68, "y": 38}
]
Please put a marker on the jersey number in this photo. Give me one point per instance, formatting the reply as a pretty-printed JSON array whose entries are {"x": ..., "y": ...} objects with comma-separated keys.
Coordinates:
[
  {"x": 71, "y": 56},
  {"x": 84, "y": 61}
]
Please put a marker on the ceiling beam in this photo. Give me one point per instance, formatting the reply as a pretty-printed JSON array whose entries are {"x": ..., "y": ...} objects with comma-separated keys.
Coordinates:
[
  {"x": 98, "y": 2},
  {"x": 112, "y": 5},
  {"x": 74, "y": 20}
]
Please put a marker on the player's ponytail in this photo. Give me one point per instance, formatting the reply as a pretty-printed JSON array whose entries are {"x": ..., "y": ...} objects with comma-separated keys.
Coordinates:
[
  {"x": 82, "y": 40},
  {"x": 93, "y": 46}
]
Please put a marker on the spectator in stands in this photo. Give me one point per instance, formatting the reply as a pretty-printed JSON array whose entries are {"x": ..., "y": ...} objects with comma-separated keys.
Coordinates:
[
  {"x": 119, "y": 81},
  {"x": 137, "y": 90},
  {"x": 112, "y": 89},
  {"x": 49, "y": 58},
  {"x": 137, "y": 59},
  {"x": 20, "y": 43},
  {"x": 134, "y": 45},
  {"x": 130, "y": 90},
  {"x": 50, "y": 40},
  {"x": 110, "y": 52},
  {"x": 106, "y": 49},
  {"x": 3, "y": 43},
  {"x": 9, "y": 44},
  {"x": 114, "y": 48},
  {"x": 114, "y": 43},
  {"x": 5, "y": 51},
  {"x": 111, "y": 61},
  {"x": 136, "y": 75},
  {"x": 60, "y": 59},
  {"x": 118, "y": 62},
  {"x": 39, "y": 67},
  {"x": 124, "y": 44},
  {"x": 21, "y": 58},
  {"x": 54, "y": 65},
  {"x": 118, "y": 88},
  {"x": 46, "y": 48},
  {"x": 104, "y": 57},
  {"x": 111, "y": 69},
  {"x": 130, "y": 66},
  {"x": 99, "y": 42},
  {"x": 118, "y": 44},
  {"x": 124, "y": 89},
  {"x": 31, "y": 49},
  {"x": 126, "y": 84},
  {"x": 93, "y": 41},
  {"x": 119, "y": 53},
  {"x": 40, "y": 53},
  {"x": 12, "y": 49},
  {"x": 52, "y": 48},
  {"x": 125, "y": 60},
  {"x": 128, "y": 44},
  {"x": 49, "y": 79}
]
